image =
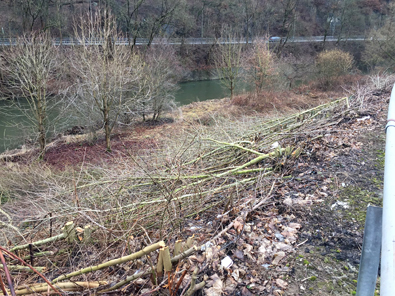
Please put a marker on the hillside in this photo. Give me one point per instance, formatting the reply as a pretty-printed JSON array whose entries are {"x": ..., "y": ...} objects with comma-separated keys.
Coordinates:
[
  {"x": 280, "y": 195},
  {"x": 174, "y": 18}
]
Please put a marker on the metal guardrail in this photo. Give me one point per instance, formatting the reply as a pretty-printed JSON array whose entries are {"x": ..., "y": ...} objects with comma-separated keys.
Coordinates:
[
  {"x": 387, "y": 283},
  {"x": 370, "y": 257},
  {"x": 179, "y": 41}
]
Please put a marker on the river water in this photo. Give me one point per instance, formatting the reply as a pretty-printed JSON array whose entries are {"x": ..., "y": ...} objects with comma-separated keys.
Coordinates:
[{"x": 12, "y": 136}]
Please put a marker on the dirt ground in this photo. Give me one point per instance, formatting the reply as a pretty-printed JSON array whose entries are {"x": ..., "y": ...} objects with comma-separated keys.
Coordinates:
[{"x": 332, "y": 233}]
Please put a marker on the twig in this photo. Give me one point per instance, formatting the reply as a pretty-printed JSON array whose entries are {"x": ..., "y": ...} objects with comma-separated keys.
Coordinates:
[
  {"x": 191, "y": 289},
  {"x": 31, "y": 267},
  {"x": 23, "y": 268},
  {"x": 302, "y": 243},
  {"x": 3, "y": 287},
  {"x": 130, "y": 257},
  {"x": 7, "y": 273},
  {"x": 39, "y": 243},
  {"x": 68, "y": 286}
]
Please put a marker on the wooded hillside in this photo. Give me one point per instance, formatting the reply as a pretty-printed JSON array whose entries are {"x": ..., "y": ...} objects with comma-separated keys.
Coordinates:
[{"x": 200, "y": 18}]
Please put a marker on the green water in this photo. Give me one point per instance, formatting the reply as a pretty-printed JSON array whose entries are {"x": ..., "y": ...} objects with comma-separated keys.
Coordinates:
[
  {"x": 12, "y": 136},
  {"x": 196, "y": 91}
]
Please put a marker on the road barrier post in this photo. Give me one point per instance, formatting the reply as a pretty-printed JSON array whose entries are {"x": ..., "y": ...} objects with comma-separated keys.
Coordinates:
[{"x": 387, "y": 283}]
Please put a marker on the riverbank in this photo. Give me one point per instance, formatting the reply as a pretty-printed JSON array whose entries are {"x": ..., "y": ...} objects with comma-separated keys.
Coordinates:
[
  {"x": 72, "y": 149},
  {"x": 255, "y": 184}
]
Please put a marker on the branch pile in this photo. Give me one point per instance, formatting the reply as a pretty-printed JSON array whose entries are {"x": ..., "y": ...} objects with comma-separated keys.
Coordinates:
[{"x": 155, "y": 201}]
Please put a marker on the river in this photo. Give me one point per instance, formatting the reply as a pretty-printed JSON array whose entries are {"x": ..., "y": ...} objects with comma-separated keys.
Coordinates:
[{"x": 12, "y": 136}]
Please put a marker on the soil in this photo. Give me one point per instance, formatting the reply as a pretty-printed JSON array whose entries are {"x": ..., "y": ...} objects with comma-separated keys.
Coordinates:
[{"x": 327, "y": 261}]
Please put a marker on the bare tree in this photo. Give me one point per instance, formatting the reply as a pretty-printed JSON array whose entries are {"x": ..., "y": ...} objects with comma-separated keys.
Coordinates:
[
  {"x": 260, "y": 64},
  {"x": 109, "y": 77},
  {"x": 288, "y": 11},
  {"x": 162, "y": 72},
  {"x": 227, "y": 59},
  {"x": 30, "y": 69},
  {"x": 380, "y": 48}
]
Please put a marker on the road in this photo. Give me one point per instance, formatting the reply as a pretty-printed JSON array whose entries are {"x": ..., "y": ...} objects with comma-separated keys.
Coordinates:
[{"x": 189, "y": 41}]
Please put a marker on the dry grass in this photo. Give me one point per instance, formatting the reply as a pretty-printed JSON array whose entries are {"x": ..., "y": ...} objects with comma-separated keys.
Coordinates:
[
  {"x": 194, "y": 170},
  {"x": 157, "y": 190},
  {"x": 284, "y": 101}
]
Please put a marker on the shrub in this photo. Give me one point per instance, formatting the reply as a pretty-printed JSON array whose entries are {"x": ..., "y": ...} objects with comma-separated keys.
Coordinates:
[
  {"x": 332, "y": 64},
  {"x": 260, "y": 66}
]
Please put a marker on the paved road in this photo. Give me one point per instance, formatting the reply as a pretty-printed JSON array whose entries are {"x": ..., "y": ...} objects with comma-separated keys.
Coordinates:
[{"x": 191, "y": 41}]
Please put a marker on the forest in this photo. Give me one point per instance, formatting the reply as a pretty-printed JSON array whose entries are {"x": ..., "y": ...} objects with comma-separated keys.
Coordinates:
[{"x": 202, "y": 18}]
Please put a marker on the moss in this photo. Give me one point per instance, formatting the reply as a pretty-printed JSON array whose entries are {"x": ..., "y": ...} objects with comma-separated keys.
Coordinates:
[
  {"x": 313, "y": 278},
  {"x": 305, "y": 262},
  {"x": 330, "y": 287},
  {"x": 358, "y": 200},
  {"x": 380, "y": 156},
  {"x": 326, "y": 260}
]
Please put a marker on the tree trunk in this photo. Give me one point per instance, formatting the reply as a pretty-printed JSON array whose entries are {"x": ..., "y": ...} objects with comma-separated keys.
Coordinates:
[
  {"x": 41, "y": 125},
  {"x": 231, "y": 89},
  {"x": 41, "y": 139},
  {"x": 107, "y": 129}
]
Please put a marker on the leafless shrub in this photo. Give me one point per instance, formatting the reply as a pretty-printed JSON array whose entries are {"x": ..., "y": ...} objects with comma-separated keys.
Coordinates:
[
  {"x": 331, "y": 65},
  {"x": 381, "y": 80},
  {"x": 162, "y": 72},
  {"x": 295, "y": 70},
  {"x": 227, "y": 58},
  {"x": 32, "y": 68},
  {"x": 109, "y": 77},
  {"x": 260, "y": 65},
  {"x": 375, "y": 84}
]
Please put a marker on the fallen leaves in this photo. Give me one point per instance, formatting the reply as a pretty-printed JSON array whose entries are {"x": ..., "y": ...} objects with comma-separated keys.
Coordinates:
[
  {"x": 238, "y": 224},
  {"x": 216, "y": 286},
  {"x": 278, "y": 257},
  {"x": 282, "y": 284}
]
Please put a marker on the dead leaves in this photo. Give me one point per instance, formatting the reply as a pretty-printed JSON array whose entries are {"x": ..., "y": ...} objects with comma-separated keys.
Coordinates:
[
  {"x": 238, "y": 224},
  {"x": 278, "y": 257},
  {"x": 216, "y": 286}
]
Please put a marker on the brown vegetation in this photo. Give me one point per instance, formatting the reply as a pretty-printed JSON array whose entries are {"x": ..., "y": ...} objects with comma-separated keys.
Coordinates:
[
  {"x": 333, "y": 64},
  {"x": 225, "y": 182}
]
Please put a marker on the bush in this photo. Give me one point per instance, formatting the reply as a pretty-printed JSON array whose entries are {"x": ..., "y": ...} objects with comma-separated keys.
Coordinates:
[
  {"x": 260, "y": 66},
  {"x": 332, "y": 64}
]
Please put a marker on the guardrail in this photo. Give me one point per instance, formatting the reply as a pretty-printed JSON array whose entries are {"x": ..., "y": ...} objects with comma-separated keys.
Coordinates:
[
  {"x": 179, "y": 41},
  {"x": 387, "y": 283}
]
